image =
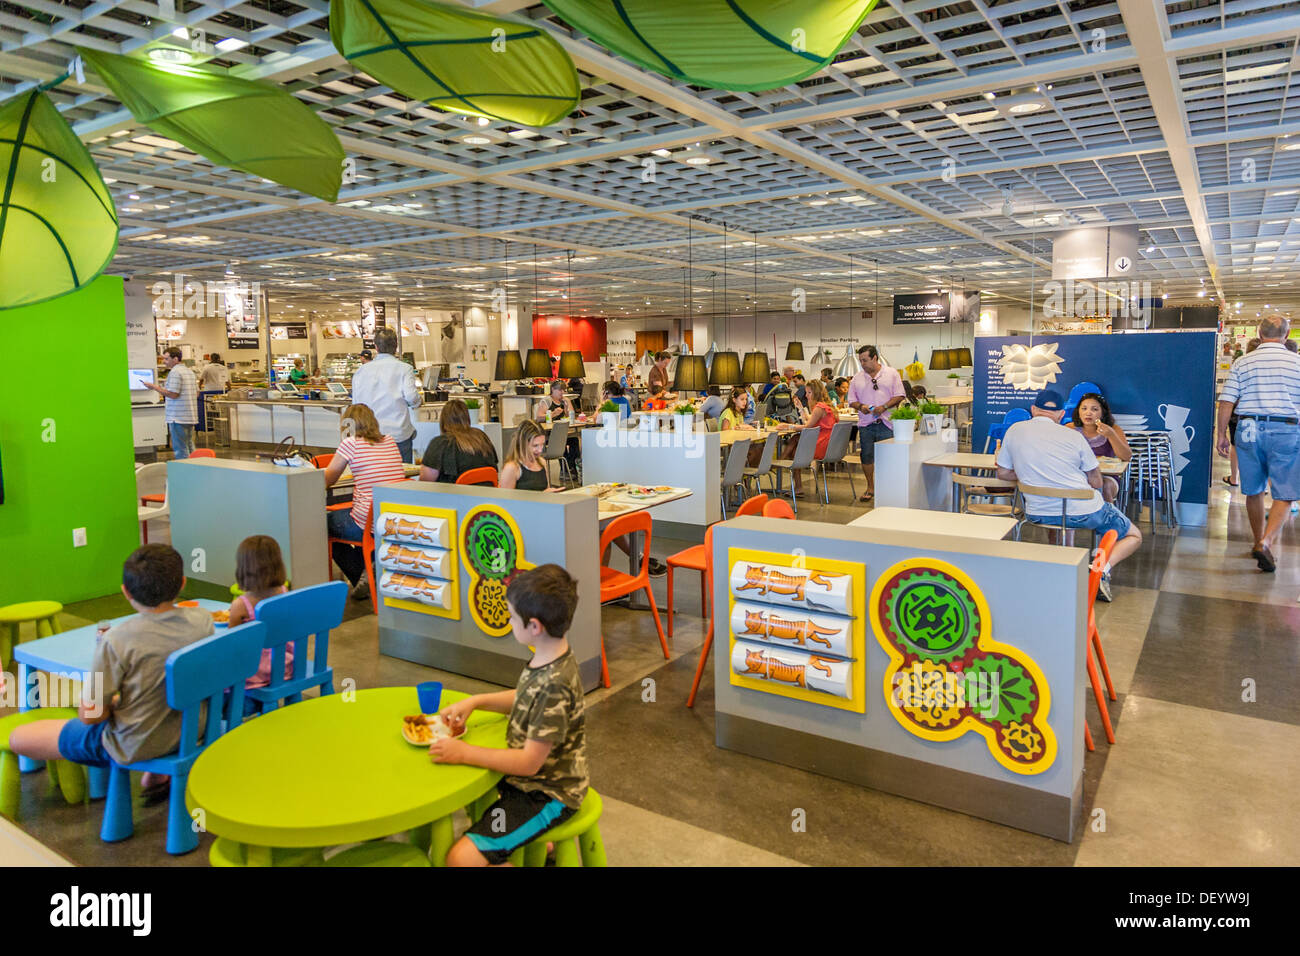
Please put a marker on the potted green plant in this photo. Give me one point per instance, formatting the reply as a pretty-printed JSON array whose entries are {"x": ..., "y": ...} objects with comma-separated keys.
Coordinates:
[
  {"x": 473, "y": 405},
  {"x": 932, "y": 413},
  {"x": 904, "y": 418},
  {"x": 608, "y": 414},
  {"x": 684, "y": 417}
]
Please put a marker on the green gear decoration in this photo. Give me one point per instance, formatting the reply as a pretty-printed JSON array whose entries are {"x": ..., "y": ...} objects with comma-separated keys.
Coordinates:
[
  {"x": 1016, "y": 694},
  {"x": 932, "y": 617},
  {"x": 491, "y": 547}
]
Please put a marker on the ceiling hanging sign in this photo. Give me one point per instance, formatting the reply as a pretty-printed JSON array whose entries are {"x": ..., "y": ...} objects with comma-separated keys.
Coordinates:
[
  {"x": 923, "y": 308},
  {"x": 241, "y": 321},
  {"x": 723, "y": 44},
  {"x": 226, "y": 119},
  {"x": 458, "y": 60},
  {"x": 1106, "y": 252},
  {"x": 373, "y": 318},
  {"x": 58, "y": 227}
]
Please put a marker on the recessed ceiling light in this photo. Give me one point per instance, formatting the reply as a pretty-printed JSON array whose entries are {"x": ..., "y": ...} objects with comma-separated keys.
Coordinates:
[
  {"x": 1151, "y": 248},
  {"x": 1292, "y": 148},
  {"x": 476, "y": 140},
  {"x": 230, "y": 44},
  {"x": 988, "y": 96},
  {"x": 698, "y": 160},
  {"x": 1027, "y": 107},
  {"x": 133, "y": 196},
  {"x": 181, "y": 32},
  {"x": 166, "y": 54},
  {"x": 819, "y": 202},
  {"x": 484, "y": 121}
]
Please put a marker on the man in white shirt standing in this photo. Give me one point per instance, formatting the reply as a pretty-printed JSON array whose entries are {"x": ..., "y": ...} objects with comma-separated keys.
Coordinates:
[
  {"x": 1041, "y": 452},
  {"x": 215, "y": 377},
  {"x": 1263, "y": 391},
  {"x": 388, "y": 387},
  {"x": 182, "y": 407}
]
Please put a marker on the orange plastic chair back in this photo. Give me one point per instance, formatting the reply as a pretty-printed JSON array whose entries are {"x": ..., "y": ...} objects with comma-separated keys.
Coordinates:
[
  {"x": 751, "y": 506},
  {"x": 487, "y": 475},
  {"x": 778, "y": 508},
  {"x": 322, "y": 461},
  {"x": 1098, "y": 568},
  {"x": 203, "y": 453},
  {"x": 635, "y": 523}
]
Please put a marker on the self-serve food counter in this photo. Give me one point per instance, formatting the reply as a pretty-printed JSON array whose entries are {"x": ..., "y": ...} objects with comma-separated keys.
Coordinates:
[{"x": 944, "y": 669}]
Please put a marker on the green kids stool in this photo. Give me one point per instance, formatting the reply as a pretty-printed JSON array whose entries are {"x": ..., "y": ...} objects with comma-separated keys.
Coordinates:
[
  {"x": 381, "y": 853},
  {"x": 44, "y": 614},
  {"x": 583, "y": 826},
  {"x": 70, "y": 777}
]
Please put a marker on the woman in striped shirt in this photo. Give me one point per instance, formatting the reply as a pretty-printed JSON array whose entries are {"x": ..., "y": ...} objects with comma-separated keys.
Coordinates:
[{"x": 374, "y": 459}]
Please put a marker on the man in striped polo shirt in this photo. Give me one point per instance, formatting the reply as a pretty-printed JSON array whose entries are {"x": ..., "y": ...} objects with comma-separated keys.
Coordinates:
[{"x": 1263, "y": 390}]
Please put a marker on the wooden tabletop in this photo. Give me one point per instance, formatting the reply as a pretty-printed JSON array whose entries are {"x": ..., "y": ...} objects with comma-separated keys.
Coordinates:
[
  {"x": 951, "y": 400},
  {"x": 347, "y": 481},
  {"x": 733, "y": 435},
  {"x": 1112, "y": 467},
  {"x": 919, "y": 520}
]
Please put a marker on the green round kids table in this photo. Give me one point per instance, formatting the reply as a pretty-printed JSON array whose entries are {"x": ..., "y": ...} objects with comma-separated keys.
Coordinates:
[{"x": 330, "y": 770}]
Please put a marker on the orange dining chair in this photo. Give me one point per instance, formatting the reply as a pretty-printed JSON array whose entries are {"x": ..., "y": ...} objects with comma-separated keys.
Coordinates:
[
  {"x": 367, "y": 546},
  {"x": 324, "y": 461},
  {"x": 696, "y": 558},
  {"x": 778, "y": 508},
  {"x": 1094, "y": 580},
  {"x": 775, "y": 508},
  {"x": 1105, "y": 546},
  {"x": 159, "y": 499},
  {"x": 487, "y": 475},
  {"x": 616, "y": 584}
]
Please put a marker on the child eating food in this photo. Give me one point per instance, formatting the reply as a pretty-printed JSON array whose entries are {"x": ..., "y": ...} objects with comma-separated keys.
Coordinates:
[
  {"x": 260, "y": 574},
  {"x": 545, "y": 760}
]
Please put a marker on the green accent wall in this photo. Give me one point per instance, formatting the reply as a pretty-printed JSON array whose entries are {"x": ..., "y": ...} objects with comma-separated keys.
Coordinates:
[{"x": 63, "y": 375}]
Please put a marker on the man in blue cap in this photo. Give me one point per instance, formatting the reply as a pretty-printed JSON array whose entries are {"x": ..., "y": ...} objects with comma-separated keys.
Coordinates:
[{"x": 1040, "y": 452}]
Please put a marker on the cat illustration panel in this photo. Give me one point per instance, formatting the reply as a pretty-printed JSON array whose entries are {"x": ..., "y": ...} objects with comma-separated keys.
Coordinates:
[
  {"x": 413, "y": 559},
  {"x": 792, "y": 669},
  {"x": 413, "y": 529},
  {"x": 818, "y": 633},
  {"x": 803, "y": 588}
]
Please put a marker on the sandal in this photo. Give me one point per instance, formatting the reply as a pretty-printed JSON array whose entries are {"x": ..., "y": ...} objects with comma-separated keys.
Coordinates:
[
  {"x": 1230, "y": 484},
  {"x": 867, "y": 497}
]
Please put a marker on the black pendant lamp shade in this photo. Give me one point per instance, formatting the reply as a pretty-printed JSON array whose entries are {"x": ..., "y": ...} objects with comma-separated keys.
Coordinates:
[
  {"x": 940, "y": 360},
  {"x": 794, "y": 352},
  {"x": 726, "y": 369},
  {"x": 509, "y": 365},
  {"x": 538, "y": 364},
  {"x": 571, "y": 365},
  {"x": 756, "y": 368},
  {"x": 964, "y": 359},
  {"x": 691, "y": 375}
]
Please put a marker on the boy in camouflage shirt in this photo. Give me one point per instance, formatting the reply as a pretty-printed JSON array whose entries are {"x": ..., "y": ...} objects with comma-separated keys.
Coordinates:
[{"x": 545, "y": 762}]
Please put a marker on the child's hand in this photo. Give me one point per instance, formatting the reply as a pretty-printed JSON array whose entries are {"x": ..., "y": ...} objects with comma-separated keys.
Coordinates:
[
  {"x": 448, "y": 750},
  {"x": 455, "y": 715}
]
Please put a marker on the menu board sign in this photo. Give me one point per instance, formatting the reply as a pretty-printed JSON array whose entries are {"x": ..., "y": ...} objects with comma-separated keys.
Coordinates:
[
  {"x": 289, "y": 330},
  {"x": 373, "y": 318},
  {"x": 241, "y": 320},
  {"x": 921, "y": 308}
]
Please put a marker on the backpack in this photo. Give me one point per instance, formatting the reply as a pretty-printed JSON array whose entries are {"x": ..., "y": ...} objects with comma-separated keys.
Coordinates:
[{"x": 780, "y": 404}]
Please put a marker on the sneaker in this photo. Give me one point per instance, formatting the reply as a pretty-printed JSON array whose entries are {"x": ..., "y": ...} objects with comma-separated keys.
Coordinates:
[
  {"x": 1103, "y": 589},
  {"x": 657, "y": 568},
  {"x": 361, "y": 591}
]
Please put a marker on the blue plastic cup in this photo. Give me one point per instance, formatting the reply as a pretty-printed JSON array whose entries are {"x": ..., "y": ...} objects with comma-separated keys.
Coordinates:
[{"x": 430, "y": 696}]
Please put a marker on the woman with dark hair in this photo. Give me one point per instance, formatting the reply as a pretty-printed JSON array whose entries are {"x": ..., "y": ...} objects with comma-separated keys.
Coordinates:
[
  {"x": 1106, "y": 439},
  {"x": 458, "y": 449}
]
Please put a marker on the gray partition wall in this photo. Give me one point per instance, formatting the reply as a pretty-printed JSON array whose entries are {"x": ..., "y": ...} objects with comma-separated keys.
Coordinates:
[
  {"x": 215, "y": 503},
  {"x": 555, "y": 528},
  {"x": 1036, "y": 610}
]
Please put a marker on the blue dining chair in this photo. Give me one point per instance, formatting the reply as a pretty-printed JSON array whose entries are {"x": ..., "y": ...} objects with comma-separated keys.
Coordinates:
[
  {"x": 999, "y": 431},
  {"x": 293, "y": 618},
  {"x": 210, "y": 671}
]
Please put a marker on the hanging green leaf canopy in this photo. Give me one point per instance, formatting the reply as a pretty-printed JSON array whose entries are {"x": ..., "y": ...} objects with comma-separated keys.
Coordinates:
[
  {"x": 458, "y": 60},
  {"x": 722, "y": 44},
  {"x": 255, "y": 127},
  {"x": 58, "y": 227}
]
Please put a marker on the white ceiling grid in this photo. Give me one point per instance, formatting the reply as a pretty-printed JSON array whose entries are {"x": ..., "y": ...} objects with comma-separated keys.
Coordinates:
[{"x": 1179, "y": 117}]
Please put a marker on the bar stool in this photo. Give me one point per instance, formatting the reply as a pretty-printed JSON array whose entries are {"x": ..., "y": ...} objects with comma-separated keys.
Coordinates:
[
  {"x": 1064, "y": 495},
  {"x": 43, "y": 614}
]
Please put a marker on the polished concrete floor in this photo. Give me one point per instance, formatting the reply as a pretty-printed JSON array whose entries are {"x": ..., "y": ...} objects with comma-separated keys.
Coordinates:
[{"x": 1204, "y": 650}]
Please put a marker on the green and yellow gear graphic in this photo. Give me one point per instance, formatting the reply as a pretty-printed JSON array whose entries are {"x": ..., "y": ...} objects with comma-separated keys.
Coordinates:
[
  {"x": 932, "y": 616},
  {"x": 998, "y": 689},
  {"x": 931, "y": 694},
  {"x": 1020, "y": 741}
]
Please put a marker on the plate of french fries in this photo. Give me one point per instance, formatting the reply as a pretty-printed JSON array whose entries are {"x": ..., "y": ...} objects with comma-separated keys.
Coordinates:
[{"x": 423, "y": 729}]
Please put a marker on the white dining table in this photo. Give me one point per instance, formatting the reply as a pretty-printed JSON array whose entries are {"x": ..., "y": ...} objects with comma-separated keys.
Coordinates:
[{"x": 925, "y": 521}]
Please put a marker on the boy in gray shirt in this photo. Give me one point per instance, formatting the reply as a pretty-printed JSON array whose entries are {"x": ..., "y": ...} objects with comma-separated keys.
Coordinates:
[{"x": 131, "y": 721}]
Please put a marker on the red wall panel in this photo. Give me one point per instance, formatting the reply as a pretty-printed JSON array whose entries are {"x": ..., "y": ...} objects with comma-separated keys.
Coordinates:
[{"x": 563, "y": 333}]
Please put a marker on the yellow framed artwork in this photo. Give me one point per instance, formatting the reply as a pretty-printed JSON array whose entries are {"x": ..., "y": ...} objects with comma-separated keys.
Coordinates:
[
  {"x": 415, "y": 555},
  {"x": 948, "y": 676},
  {"x": 796, "y": 626}
]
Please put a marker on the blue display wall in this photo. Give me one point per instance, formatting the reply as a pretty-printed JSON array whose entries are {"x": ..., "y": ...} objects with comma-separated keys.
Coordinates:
[{"x": 1153, "y": 381}]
